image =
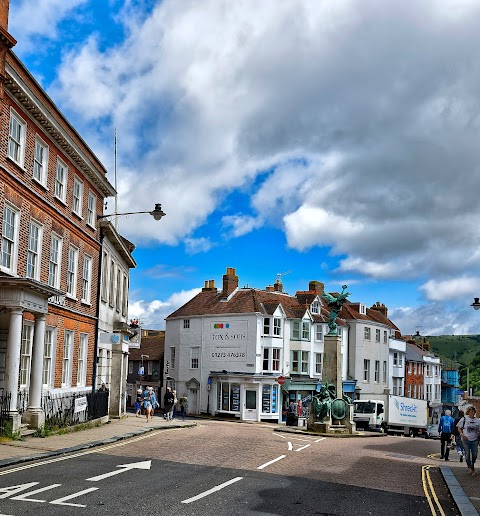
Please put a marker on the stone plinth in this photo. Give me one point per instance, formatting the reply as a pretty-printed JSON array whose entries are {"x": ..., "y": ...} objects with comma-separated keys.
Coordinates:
[{"x": 332, "y": 362}]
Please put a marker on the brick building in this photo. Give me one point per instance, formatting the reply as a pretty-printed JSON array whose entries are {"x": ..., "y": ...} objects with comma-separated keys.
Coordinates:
[{"x": 51, "y": 188}]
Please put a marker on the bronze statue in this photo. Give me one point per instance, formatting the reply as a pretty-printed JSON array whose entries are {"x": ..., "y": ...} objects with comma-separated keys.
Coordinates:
[{"x": 335, "y": 305}]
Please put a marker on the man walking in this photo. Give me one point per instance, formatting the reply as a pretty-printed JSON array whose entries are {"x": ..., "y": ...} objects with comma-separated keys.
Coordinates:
[
  {"x": 168, "y": 402},
  {"x": 445, "y": 428}
]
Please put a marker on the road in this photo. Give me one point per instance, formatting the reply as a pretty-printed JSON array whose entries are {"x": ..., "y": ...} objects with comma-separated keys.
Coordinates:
[{"x": 224, "y": 468}]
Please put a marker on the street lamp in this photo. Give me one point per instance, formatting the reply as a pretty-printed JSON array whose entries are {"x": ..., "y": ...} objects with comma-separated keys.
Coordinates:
[
  {"x": 476, "y": 303},
  {"x": 157, "y": 213}
]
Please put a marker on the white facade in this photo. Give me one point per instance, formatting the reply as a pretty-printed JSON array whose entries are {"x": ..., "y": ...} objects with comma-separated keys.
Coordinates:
[{"x": 396, "y": 378}]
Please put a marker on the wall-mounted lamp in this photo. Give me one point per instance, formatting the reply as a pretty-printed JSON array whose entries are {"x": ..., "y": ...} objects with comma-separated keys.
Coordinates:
[{"x": 157, "y": 213}]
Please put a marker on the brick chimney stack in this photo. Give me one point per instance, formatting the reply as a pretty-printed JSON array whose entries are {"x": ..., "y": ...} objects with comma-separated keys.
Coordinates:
[
  {"x": 278, "y": 286},
  {"x": 380, "y": 308},
  {"x": 316, "y": 286},
  {"x": 6, "y": 40},
  {"x": 209, "y": 286},
  {"x": 4, "y": 7},
  {"x": 230, "y": 282}
]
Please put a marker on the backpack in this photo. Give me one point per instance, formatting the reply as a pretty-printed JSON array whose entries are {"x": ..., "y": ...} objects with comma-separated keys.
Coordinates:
[{"x": 447, "y": 425}]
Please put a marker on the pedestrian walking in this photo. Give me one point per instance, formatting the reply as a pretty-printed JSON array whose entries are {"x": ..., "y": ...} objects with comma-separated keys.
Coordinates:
[
  {"x": 147, "y": 403},
  {"x": 445, "y": 428},
  {"x": 458, "y": 437},
  {"x": 175, "y": 401},
  {"x": 168, "y": 402},
  {"x": 469, "y": 428},
  {"x": 138, "y": 403},
  {"x": 183, "y": 406},
  {"x": 153, "y": 400}
]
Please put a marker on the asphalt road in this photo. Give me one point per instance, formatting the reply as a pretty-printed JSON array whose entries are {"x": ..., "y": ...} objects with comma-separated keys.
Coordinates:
[{"x": 221, "y": 468}]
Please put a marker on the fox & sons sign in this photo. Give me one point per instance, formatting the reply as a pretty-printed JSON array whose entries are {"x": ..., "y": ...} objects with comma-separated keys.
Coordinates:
[{"x": 228, "y": 341}]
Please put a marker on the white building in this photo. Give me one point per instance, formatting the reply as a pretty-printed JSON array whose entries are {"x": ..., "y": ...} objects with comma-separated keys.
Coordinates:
[{"x": 227, "y": 349}]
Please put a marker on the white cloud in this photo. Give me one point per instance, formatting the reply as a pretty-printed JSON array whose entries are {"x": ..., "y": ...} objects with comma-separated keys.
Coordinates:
[{"x": 451, "y": 289}]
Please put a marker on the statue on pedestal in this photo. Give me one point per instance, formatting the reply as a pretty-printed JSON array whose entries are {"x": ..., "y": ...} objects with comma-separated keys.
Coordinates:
[{"x": 335, "y": 304}]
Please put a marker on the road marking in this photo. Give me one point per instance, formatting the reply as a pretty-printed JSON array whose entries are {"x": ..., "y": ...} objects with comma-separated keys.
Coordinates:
[
  {"x": 11, "y": 490},
  {"x": 213, "y": 490},
  {"x": 271, "y": 462},
  {"x": 30, "y": 493},
  {"x": 302, "y": 447},
  {"x": 427, "y": 483},
  {"x": 290, "y": 446},
  {"x": 321, "y": 439},
  {"x": 125, "y": 467},
  {"x": 61, "y": 501}
]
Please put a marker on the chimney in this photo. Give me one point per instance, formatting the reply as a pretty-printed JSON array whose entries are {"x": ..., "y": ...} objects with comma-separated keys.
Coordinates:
[
  {"x": 269, "y": 288},
  {"x": 277, "y": 286},
  {"x": 6, "y": 40},
  {"x": 4, "y": 6},
  {"x": 209, "y": 286},
  {"x": 380, "y": 308},
  {"x": 230, "y": 282},
  {"x": 316, "y": 286}
]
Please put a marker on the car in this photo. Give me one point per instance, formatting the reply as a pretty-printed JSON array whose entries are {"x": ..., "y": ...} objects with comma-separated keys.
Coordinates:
[{"x": 432, "y": 432}]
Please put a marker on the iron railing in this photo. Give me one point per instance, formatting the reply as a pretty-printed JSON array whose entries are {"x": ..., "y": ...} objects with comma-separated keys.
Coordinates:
[{"x": 4, "y": 410}]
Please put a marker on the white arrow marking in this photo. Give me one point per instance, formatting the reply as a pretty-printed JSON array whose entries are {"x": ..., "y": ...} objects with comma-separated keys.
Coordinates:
[
  {"x": 41, "y": 490},
  {"x": 61, "y": 501},
  {"x": 125, "y": 467},
  {"x": 290, "y": 446},
  {"x": 9, "y": 491}
]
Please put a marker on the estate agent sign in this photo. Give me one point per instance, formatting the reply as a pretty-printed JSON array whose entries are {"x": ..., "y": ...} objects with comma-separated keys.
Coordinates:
[{"x": 228, "y": 341}]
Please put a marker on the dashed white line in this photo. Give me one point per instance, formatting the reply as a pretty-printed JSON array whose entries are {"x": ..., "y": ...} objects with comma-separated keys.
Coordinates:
[
  {"x": 271, "y": 462},
  {"x": 321, "y": 439},
  {"x": 213, "y": 490},
  {"x": 302, "y": 447}
]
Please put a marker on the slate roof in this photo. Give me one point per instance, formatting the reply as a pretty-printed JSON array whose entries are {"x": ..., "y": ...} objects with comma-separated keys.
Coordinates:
[
  {"x": 415, "y": 353},
  {"x": 152, "y": 345},
  {"x": 349, "y": 311}
]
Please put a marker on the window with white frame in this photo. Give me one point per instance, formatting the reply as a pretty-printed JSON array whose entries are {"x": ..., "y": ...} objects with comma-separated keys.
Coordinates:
[
  {"x": 91, "y": 209},
  {"x": 436, "y": 371},
  {"x": 296, "y": 330},
  {"x": 429, "y": 392},
  {"x": 395, "y": 359},
  {"x": 82, "y": 360},
  {"x": 318, "y": 363},
  {"x": 397, "y": 386},
  {"x": 305, "y": 355},
  {"x": 186, "y": 324},
  {"x": 305, "y": 330},
  {"x": 429, "y": 371},
  {"x": 270, "y": 399},
  {"x": 40, "y": 161},
  {"x": 111, "y": 279},
  {"x": 124, "y": 295},
  {"x": 400, "y": 360},
  {"x": 118, "y": 291},
  {"x": 266, "y": 325},
  {"x": 266, "y": 352},
  {"x": 61, "y": 180},
  {"x": 366, "y": 333},
  {"x": 16, "y": 138},
  {"x": 194, "y": 358},
  {"x": 409, "y": 390},
  {"x": 48, "y": 347},
  {"x": 366, "y": 370},
  {"x": 105, "y": 277},
  {"x": 72, "y": 271},
  {"x": 384, "y": 372},
  {"x": 26, "y": 354},
  {"x": 54, "y": 261},
  {"x": 67, "y": 359},
  {"x": 385, "y": 337},
  {"x": 228, "y": 397},
  {"x": 437, "y": 392},
  {"x": 315, "y": 307},
  {"x": 86, "y": 279},
  {"x": 10, "y": 231},
  {"x": 377, "y": 371},
  {"x": 319, "y": 332},
  {"x": 77, "y": 196},
  {"x": 300, "y": 362},
  {"x": 35, "y": 232},
  {"x": 277, "y": 327},
  {"x": 275, "y": 359},
  {"x": 377, "y": 335},
  {"x": 172, "y": 357},
  {"x": 339, "y": 332}
]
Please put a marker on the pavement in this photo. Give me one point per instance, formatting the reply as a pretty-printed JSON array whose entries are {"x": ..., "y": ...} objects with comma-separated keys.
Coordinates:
[{"x": 463, "y": 487}]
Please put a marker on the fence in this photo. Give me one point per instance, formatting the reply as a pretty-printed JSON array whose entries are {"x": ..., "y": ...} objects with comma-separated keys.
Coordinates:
[{"x": 4, "y": 410}]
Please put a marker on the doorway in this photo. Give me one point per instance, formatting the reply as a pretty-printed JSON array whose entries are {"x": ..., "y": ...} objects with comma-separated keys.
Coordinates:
[{"x": 251, "y": 411}]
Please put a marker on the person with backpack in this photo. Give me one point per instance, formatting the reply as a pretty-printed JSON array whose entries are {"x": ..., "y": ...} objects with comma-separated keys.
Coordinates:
[
  {"x": 458, "y": 437},
  {"x": 469, "y": 428},
  {"x": 445, "y": 428}
]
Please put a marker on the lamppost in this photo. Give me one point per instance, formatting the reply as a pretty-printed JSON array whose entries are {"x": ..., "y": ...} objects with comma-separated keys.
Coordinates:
[
  {"x": 476, "y": 303},
  {"x": 157, "y": 213}
]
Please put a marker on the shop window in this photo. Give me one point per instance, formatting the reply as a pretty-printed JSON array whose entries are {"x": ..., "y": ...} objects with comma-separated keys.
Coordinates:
[
  {"x": 269, "y": 399},
  {"x": 228, "y": 397}
]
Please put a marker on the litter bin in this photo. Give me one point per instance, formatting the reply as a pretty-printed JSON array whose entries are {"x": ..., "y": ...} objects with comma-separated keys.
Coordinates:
[{"x": 292, "y": 419}]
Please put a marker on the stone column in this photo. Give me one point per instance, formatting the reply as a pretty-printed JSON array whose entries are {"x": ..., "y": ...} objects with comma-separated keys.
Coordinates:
[
  {"x": 34, "y": 415},
  {"x": 332, "y": 362},
  {"x": 118, "y": 382},
  {"x": 14, "y": 342}
]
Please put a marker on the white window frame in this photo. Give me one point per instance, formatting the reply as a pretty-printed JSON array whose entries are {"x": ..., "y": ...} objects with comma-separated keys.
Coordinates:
[
  {"x": 306, "y": 330},
  {"x": 195, "y": 357},
  {"x": 77, "y": 196},
  {"x": 61, "y": 178},
  {"x": 377, "y": 371},
  {"x": 384, "y": 371},
  {"x": 10, "y": 238},
  {"x": 385, "y": 337},
  {"x": 366, "y": 333},
  {"x": 173, "y": 352},
  {"x": 104, "y": 293},
  {"x": 277, "y": 327},
  {"x": 377, "y": 335},
  {"x": 111, "y": 283},
  {"x": 266, "y": 359},
  {"x": 34, "y": 250},
  {"x": 87, "y": 279},
  {"x": 186, "y": 324},
  {"x": 68, "y": 341},
  {"x": 40, "y": 161},
  {"x": 319, "y": 333},
  {"x": 296, "y": 330},
  {"x": 318, "y": 363},
  {"x": 72, "y": 272},
  {"x": 366, "y": 370},
  {"x": 302, "y": 359},
  {"x": 82, "y": 360},
  {"x": 17, "y": 134},
  {"x": 118, "y": 290},
  {"x": 315, "y": 307},
  {"x": 124, "y": 295},
  {"x": 276, "y": 354},
  {"x": 48, "y": 351},
  {"x": 266, "y": 325},
  {"x": 55, "y": 261},
  {"x": 91, "y": 209},
  {"x": 26, "y": 354},
  {"x": 395, "y": 359}
]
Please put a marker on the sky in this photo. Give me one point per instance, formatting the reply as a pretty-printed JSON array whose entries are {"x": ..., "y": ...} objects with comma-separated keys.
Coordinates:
[{"x": 328, "y": 140}]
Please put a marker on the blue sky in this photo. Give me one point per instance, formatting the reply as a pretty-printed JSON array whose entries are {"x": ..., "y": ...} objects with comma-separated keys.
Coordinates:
[{"x": 323, "y": 140}]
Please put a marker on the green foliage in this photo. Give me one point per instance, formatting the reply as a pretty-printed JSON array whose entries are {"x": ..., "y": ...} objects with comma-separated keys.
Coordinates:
[{"x": 8, "y": 433}]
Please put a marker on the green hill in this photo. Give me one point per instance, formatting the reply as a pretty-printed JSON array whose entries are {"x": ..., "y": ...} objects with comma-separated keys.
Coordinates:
[{"x": 461, "y": 348}]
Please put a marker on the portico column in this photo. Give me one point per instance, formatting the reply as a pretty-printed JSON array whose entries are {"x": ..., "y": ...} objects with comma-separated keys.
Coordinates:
[
  {"x": 14, "y": 342},
  {"x": 34, "y": 414}
]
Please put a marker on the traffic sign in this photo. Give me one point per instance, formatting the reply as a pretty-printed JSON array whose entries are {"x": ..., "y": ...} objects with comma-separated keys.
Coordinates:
[{"x": 281, "y": 380}]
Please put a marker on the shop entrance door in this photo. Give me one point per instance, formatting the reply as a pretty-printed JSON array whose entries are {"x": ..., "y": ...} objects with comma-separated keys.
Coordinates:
[{"x": 251, "y": 410}]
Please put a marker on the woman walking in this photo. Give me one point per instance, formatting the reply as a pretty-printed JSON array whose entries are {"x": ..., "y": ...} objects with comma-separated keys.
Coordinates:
[{"x": 469, "y": 428}]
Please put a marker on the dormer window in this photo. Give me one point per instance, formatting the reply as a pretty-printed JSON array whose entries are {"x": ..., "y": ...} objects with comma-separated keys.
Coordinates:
[
  {"x": 266, "y": 325},
  {"x": 315, "y": 307},
  {"x": 363, "y": 309}
]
